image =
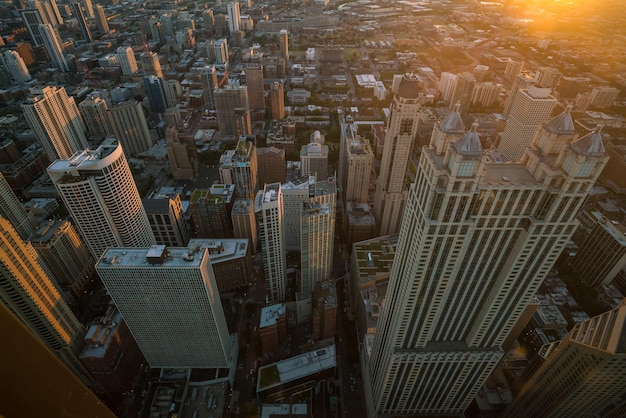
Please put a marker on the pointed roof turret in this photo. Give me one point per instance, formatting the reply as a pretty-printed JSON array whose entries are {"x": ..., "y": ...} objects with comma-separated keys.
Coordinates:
[
  {"x": 452, "y": 123},
  {"x": 562, "y": 124},
  {"x": 590, "y": 144},
  {"x": 469, "y": 143}
]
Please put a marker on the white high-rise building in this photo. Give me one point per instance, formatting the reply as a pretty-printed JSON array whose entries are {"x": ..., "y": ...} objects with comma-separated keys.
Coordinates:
[
  {"x": 447, "y": 82},
  {"x": 171, "y": 304},
  {"x": 56, "y": 122},
  {"x": 17, "y": 68},
  {"x": 358, "y": 158},
  {"x": 268, "y": 206},
  {"x": 99, "y": 192},
  {"x": 317, "y": 225},
  {"x": 477, "y": 240},
  {"x": 401, "y": 132},
  {"x": 54, "y": 46},
  {"x": 531, "y": 108},
  {"x": 127, "y": 61},
  {"x": 94, "y": 111},
  {"x": 314, "y": 157},
  {"x": 234, "y": 17}
]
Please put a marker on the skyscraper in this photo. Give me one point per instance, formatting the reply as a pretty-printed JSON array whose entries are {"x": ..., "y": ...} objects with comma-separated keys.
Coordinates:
[
  {"x": 56, "y": 122},
  {"x": 101, "y": 20},
  {"x": 446, "y": 85},
  {"x": 271, "y": 165},
  {"x": 167, "y": 220},
  {"x": 208, "y": 77},
  {"x": 268, "y": 206},
  {"x": 171, "y": 304},
  {"x": 357, "y": 166},
  {"x": 150, "y": 64},
  {"x": 401, "y": 130},
  {"x": 463, "y": 90},
  {"x": 32, "y": 19},
  {"x": 477, "y": 240},
  {"x": 127, "y": 61},
  {"x": 521, "y": 81},
  {"x": 54, "y": 46},
  {"x": 233, "y": 17},
  {"x": 30, "y": 294},
  {"x": 155, "y": 93},
  {"x": 256, "y": 91},
  {"x": 94, "y": 111},
  {"x": 99, "y": 192},
  {"x": 277, "y": 100},
  {"x": 17, "y": 68},
  {"x": 317, "y": 223},
  {"x": 283, "y": 43},
  {"x": 77, "y": 11},
  {"x": 239, "y": 167},
  {"x": 244, "y": 222},
  {"x": 217, "y": 51},
  {"x": 582, "y": 375},
  {"x": 531, "y": 108},
  {"x": 227, "y": 99},
  {"x": 127, "y": 123},
  {"x": 314, "y": 157},
  {"x": 12, "y": 209}
]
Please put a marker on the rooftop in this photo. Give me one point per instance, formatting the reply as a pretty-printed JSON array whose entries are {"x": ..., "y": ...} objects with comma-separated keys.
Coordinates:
[
  {"x": 270, "y": 314},
  {"x": 156, "y": 256}
]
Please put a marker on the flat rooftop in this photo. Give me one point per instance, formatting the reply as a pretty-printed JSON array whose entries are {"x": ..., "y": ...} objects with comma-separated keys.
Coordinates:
[
  {"x": 270, "y": 314},
  {"x": 124, "y": 257}
]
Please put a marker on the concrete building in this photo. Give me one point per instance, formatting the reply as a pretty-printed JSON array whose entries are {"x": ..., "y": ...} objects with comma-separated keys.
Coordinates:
[
  {"x": 231, "y": 261},
  {"x": 94, "y": 112},
  {"x": 475, "y": 244},
  {"x": 166, "y": 217},
  {"x": 244, "y": 222},
  {"x": 273, "y": 327},
  {"x": 360, "y": 223},
  {"x": 283, "y": 43},
  {"x": 77, "y": 12},
  {"x": 602, "y": 255},
  {"x": 155, "y": 93},
  {"x": 357, "y": 167},
  {"x": 65, "y": 254},
  {"x": 256, "y": 89},
  {"x": 170, "y": 302},
  {"x": 446, "y": 86},
  {"x": 227, "y": 101},
  {"x": 127, "y": 61},
  {"x": 271, "y": 165},
  {"x": 181, "y": 155},
  {"x": 16, "y": 66},
  {"x": 233, "y": 17},
  {"x": 239, "y": 167},
  {"x": 32, "y": 296},
  {"x": 127, "y": 123},
  {"x": 582, "y": 375},
  {"x": 602, "y": 97},
  {"x": 463, "y": 90},
  {"x": 277, "y": 100},
  {"x": 210, "y": 211},
  {"x": 391, "y": 189},
  {"x": 101, "y": 20},
  {"x": 14, "y": 211},
  {"x": 521, "y": 81},
  {"x": 324, "y": 311},
  {"x": 150, "y": 64},
  {"x": 268, "y": 206},
  {"x": 54, "y": 46},
  {"x": 55, "y": 121},
  {"x": 100, "y": 194},
  {"x": 531, "y": 108},
  {"x": 314, "y": 157}
]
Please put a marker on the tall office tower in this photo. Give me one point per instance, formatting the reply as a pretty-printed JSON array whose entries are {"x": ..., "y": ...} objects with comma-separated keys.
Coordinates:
[
  {"x": 12, "y": 209},
  {"x": 522, "y": 81},
  {"x": 127, "y": 123},
  {"x": 583, "y": 375},
  {"x": 242, "y": 124},
  {"x": 150, "y": 64},
  {"x": 283, "y": 43},
  {"x": 210, "y": 211},
  {"x": 50, "y": 8},
  {"x": 167, "y": 220},
  {"x": 477, "y": 240},
  {"x": 94, "y": 111},
  {"x": 294, "y": 194},
  {"x": 548, "y": 77},
  {"x": 56, "y": 122},
  {"x": 401, "y": 130},
  {"x": 173, "y": 91},
  {"x": 314, "y": 157},
  {"x": 19, "y": 4},
  {"x": 513, "y": 69},
  {"x": 17, "y": 68},
  {"x": 77, "y": 11},
  {"x": 602, "y": 97},
  {"x": 221, "y": 24},
  {"x": 99, "y": 192},
  {"x": 30, "y": 294},
  {"x": 271, "y": 164},
  {"x": 233, "y": 17},
  {"x": 88, "y": 7},
  {"x": 65, "y": 254},
  {"x": 602, "y": 255},
  {"x": 239, "y": 167},
  {"x": 183, "y": 164},
  {"x": 244, "y": 222},
  {"x": 531, "y": 108},
  {"x": 227, "y": 99},
  {"x": 463, "y": 89},
  {"x": 101, "y": 20},
  {"x": 208, "y": 77},
  {"x": 220, "y": 48},
  {"x": 277, "y": 100},
  {"x": 485, "y": 94},
  {"x": 256, "y": 91},
  {"x": 268, "y": 207},
  {"x": 359, "y": 157},
  {"x": 155, "y": 93},
  {"x": 446, "y": 85},
  {"x": 317, "y": 223},
  {"x": 127, "y": 61},
  {"x": 32, "y": 19},
  {"x": 170, "y": 302},
  {"x": 54, "y": 46}
]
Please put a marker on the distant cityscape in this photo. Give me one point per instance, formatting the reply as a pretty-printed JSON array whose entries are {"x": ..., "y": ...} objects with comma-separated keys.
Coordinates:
[{"x": 326, "y": 208}]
